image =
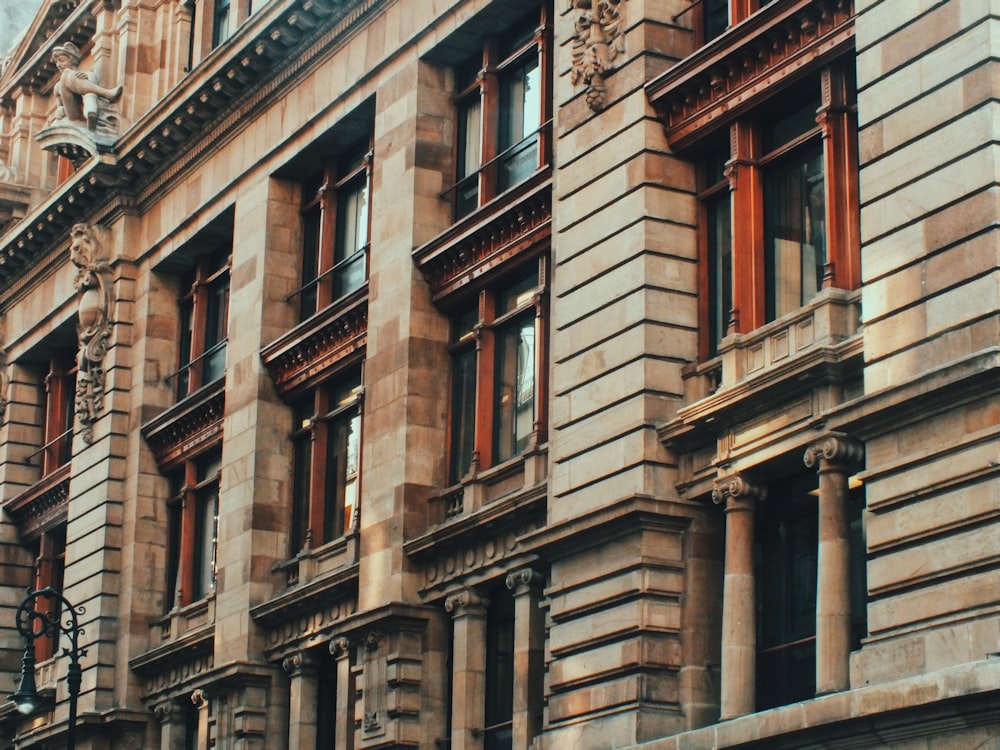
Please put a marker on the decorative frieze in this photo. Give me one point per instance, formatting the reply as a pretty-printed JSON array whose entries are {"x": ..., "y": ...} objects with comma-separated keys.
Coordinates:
[
  {"x": 178, "y": 432},
  {"x": 88, "y": 251},
  {"x": 597, "y": 42},
  {"x": 43, "y": 505}
]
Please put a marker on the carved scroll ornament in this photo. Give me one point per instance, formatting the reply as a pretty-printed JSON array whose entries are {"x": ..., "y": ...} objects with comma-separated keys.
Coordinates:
[
  {"x": 598, "y": 38},
  {"x": 88, "y": 253}
]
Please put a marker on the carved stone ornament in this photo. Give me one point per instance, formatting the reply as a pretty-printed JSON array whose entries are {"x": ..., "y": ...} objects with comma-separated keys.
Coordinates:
[
  {"x": 737, "y": 488},
  {"x": 598, "y": 38},
  {"x": 88, "y": 252},
  {"x": 833, "y": 447},
  {"x": 84, "y": 122}
]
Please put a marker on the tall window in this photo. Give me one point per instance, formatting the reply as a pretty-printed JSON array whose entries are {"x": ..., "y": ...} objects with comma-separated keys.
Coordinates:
[
  {"x": 496, "y": 372},
  {"x": 326, "y": 457},
  {"x": 335, "y": 219},
  {"x": 50, "y": 561},
  {"x": 718, "y": 15},
  {"x": 57, "y": 418},
  {"x": 194, "y": 520},
  {"x": 220, "y": 22},
  {"x": 785, "y": 557},
  {"x": 204, "y": 318},
  {"x": 781, "y": 222},
  {"x": 501, "y": 112},
  {"x": 498, "y": 733}
]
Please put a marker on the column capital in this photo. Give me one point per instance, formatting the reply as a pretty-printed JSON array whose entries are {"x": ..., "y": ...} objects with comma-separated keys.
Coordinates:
[
  {"x": 340, "y": 647},
  {"x": 166, "y": 712},
  {"x": 465, "y": 603},
  {"x": 834, "y": 446},
  {"x": 737, "y": 492},
  {"x": 523, "y": 580},
  {"x": 297, "y": 663},
  {"x": 199, "y": 698}
]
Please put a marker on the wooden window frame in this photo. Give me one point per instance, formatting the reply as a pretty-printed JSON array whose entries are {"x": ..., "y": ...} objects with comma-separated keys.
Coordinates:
[
  {"x": 496, "y": 64},
  {"x": 58, "y": 400},
  {"x": 317, "y": 512},
  {"x": 836, "y": 130},
  {"x": 189, "y": 493},
  {"x": 322, "y": 272},
  {"x": 50, "y": 565},
  {"x": 209, "y": 276},
  {"x": 483, "y": 337}
]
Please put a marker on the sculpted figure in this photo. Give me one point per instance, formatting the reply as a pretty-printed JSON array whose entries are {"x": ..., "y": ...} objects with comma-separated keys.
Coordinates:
[
  {"x": 87, "y": 253},
  {"x": 76, "y": 90}
]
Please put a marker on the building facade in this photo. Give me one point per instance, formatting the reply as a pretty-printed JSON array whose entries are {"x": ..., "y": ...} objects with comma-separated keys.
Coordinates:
[{"x": 494, "y": 375}]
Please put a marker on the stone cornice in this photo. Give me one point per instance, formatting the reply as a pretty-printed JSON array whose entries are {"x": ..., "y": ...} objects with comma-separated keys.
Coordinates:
[
  {"x": 311, "y": 351},
  {"x": 517, "y": 222},
  {"x": 186, "y": 427},
  {"x": 42, "y": 505},
  {"x": 731, "y": 74}
]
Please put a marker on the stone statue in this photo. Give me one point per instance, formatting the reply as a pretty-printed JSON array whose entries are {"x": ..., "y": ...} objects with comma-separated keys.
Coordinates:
[
  {"x": 92, "y": 283},
  {"x": 78, "y": 91}
]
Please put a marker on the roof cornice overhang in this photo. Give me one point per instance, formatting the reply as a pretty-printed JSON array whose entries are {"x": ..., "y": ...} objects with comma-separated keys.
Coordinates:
[
  {"x": 208, "y": 107},
  {"x": 771, "y": 49}
]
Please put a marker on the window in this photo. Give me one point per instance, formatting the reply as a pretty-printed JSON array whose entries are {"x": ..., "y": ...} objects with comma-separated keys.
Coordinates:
[
  {"x": 496, "y": 374},
  {"x": 220, "y": 22},
  {"x": 501, "y": 110},
  {"x": 194, "y": 519},
  {"x": 498, "y": 733},
  {"x": 718, "y": 15},
  {"x": 785, "y": 557},
  {"x": 779, "y": 208},
  {"x": 57, "y": 417},
  {"x": 50, "y": 561},
  {"x": 335, "y": 224},
  {"x": 204, "y": 316},
  {"x": 326, "y": 462}
]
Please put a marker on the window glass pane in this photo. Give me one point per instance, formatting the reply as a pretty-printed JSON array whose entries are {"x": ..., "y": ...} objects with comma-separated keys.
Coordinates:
[
  {"x": 184, "y": 347},
  {"x": 785, "y": 555},
  {"x": 520, "y": 116},
  {"x": 220, "y": 25},
  {"x": 463, "y": 412},
  {"x": 792, "y": 118},
  {"x": 517, "y": 294},
  {"x": 352, "y": 218},
  {"x": 301, "y": 474},
  {"x": 720, "y": 267},
  {"x": 469, "y": 154},
  {"x": 716, "y": 17},
  {"x": 342, "y": 473},
  {"x": 794, "y": 232},
  {"x": 311, "y": 222},
  {"x": 216, "y": 324},
  {"x": 514, "y": 410},
  {"x": 499, "y": 671},
  {"x": 206, "y": 533}
]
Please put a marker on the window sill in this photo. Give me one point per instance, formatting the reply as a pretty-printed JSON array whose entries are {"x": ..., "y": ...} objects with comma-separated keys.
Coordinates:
[
  {"x": 491, "y": 485},
  {"x": 181, "y": 620},
  {"x": 310, "y": 564}
]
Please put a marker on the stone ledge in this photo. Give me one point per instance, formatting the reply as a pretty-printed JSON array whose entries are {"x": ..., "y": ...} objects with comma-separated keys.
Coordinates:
[{"x": 865, "y": 717}]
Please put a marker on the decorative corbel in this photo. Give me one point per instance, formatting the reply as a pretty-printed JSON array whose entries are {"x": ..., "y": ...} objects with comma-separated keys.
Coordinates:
[
  {"x": 598, "y": 38},
  {"x": 88, "y": 252}
]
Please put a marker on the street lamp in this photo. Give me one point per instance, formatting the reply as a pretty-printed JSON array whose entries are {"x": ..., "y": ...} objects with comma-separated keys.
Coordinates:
[{"x": 32, "y": 624}]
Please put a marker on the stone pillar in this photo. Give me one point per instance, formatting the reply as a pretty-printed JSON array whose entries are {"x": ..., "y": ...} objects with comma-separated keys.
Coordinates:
[
  {"x": 302, "y": 696},
  {"x": 200, "y": 700},
  {"x": 739, "y": 613},
  {"x": 468, "y": 684},
  {"x": 529, "y": 647},
  {"x": 344, "y": 721},
  {"x": 172, "y": 725},
  {"x": 832, "y": 456}
]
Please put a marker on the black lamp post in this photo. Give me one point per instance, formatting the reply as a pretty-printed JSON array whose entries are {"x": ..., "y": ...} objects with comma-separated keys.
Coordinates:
[{"x": 32, "y": 624}]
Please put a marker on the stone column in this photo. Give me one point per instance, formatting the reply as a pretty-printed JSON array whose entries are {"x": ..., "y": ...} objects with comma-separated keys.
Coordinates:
[
  {"x": 344, "y": 720},
  {"x": 529, "y": 646},
  {"x": 200, "y": 700},
  {"x": 468, "y": 684},
  {"x": 302, "y": 695},
  {"x": 172, "y": 725},
  {"x": 832, "y": 456},
  {"x": 739, "y": 613}
]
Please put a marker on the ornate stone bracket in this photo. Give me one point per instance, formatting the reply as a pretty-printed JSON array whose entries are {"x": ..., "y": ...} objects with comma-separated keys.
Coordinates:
[
  {"x": 598, "y": 39},
  {"x": 88, "y": 252}
]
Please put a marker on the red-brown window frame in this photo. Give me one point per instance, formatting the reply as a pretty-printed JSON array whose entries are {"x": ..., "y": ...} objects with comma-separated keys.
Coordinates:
[
  {"x": 486, "y": 84},
  {"x": 211, "y": 271},
  {"x": 837, "y": 130},
  {"x": 484, "y": 340},
  {"x": 183, "y": 531},
  {"x": 59, "y": 402}
]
